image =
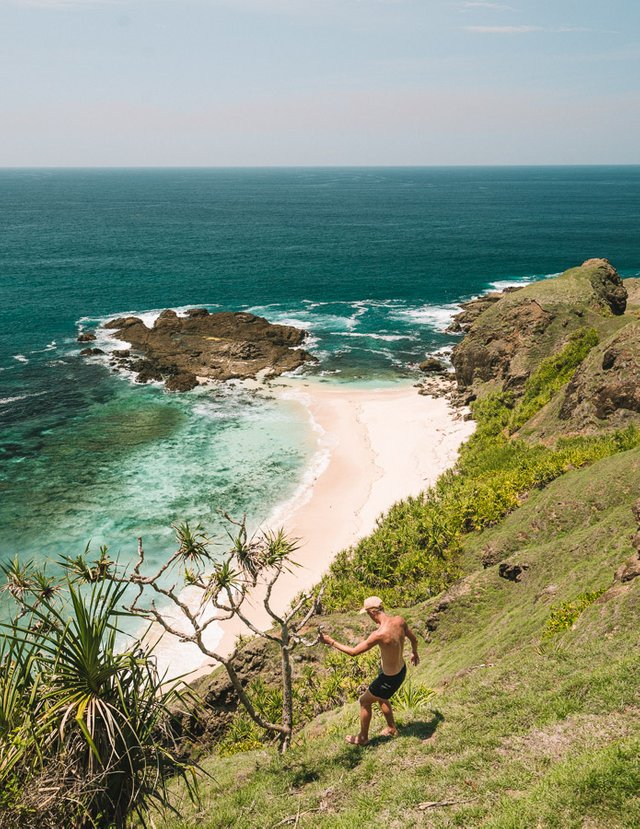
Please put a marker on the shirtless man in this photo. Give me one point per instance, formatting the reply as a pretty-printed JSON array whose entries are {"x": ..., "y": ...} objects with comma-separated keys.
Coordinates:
[{"x": 389, "y": 637}]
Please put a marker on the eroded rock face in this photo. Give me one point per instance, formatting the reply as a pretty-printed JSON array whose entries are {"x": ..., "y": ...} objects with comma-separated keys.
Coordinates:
[
  {"x": 606, "y": 387},
  {"x": 509, "y": 336},
  {"x": 492, "y": 353},
  {"x": 220, "y": 346}
]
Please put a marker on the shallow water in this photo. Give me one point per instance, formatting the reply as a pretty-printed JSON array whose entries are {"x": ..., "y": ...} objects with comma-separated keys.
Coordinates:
[{"x": 371, "y": 262}]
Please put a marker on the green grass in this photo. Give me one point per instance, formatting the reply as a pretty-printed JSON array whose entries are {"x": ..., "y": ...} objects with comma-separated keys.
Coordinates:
[{"x": 528, "y": 730}]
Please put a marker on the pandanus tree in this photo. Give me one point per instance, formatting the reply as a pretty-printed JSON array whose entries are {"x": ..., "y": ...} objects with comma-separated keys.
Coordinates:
[
  {"x": 84, "y": 723},
  {"x": 225, "y": 586}
]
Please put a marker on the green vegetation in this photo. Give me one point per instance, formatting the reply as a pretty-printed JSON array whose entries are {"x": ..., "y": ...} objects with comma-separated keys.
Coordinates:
[
  {"x": 524, "y": 712},
  {"x": 517, "y": 736},
  {"x": 414, "y": 552},
  {"x": 551, "y": 375},
  {"x": 566, "y": 614},
  {"x": 84, "y": 738},
  {"x": 339, "y": 680}
]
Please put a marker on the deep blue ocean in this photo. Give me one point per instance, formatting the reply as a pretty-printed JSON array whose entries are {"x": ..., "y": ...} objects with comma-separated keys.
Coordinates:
[{"x": 370, "y": 261}]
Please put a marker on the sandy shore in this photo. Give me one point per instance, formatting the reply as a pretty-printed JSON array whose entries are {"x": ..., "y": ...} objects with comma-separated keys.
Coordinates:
[{"x": 375, "y": 448}]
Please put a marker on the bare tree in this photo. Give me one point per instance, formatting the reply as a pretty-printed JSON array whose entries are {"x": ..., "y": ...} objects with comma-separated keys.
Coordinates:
[{"x": 252, "y": 566}]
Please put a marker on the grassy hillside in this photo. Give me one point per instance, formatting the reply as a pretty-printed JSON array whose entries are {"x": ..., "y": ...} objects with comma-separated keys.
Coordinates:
[
  {"x": 525, "y": 711},
  {"x": 531, "y": 725}
]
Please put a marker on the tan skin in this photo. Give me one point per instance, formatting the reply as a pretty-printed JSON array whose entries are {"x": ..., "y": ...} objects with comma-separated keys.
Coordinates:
[{"x": 389, "y": 637}]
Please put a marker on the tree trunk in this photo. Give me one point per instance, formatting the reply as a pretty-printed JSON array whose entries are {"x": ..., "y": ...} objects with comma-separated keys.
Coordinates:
[{"x": 287, "y": 692}]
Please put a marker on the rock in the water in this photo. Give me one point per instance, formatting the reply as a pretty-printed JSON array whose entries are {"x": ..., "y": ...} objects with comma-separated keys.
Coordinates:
[
  {"x": 512, "y": 572},
  {"x": 432, "y": 366},
  {"x": 86, "y": 337},
  {"x": 88, "y": 352},
  {"x": 220, "y": 346},
  {"x": 185, "y": 381},
  {"x": 121, "y": 352}
]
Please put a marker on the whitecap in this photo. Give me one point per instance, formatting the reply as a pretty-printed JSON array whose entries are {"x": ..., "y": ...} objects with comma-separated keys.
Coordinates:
[
  {"x": 4, "y": 401},
  {"x": 390, "y": 338},
  {"x": 519, "y": 282},
  {"x": 437, "y": 317},
  {"x": 21, "y": 358}
]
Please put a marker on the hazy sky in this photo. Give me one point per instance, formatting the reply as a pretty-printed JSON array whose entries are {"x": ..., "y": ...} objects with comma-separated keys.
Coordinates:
[{"x": 319, "y": 82}]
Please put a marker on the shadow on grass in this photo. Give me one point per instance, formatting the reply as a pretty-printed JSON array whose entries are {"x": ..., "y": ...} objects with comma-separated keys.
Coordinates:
[{"x": 421, "y": 729}]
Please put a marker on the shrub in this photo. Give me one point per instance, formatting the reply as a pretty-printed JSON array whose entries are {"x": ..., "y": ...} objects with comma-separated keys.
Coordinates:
[
  {"x": 84, "y": 725},
  {"x": 564, "y": 616}
]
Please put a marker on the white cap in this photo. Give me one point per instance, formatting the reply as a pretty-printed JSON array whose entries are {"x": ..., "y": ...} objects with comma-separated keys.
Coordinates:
[{"x": 371, "y": 603}]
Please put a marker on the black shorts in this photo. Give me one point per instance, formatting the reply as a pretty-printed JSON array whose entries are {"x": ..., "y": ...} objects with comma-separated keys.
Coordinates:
[{"x": 385, "y": 686}]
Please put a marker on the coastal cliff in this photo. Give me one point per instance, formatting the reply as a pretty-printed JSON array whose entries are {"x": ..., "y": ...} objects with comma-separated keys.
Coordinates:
[
  {"x": 519, "y": 573},
  {"x": 225, "y": 345}
]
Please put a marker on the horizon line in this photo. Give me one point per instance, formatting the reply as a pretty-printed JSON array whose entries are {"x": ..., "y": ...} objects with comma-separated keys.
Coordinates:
[{"x": 305, "y": 166}]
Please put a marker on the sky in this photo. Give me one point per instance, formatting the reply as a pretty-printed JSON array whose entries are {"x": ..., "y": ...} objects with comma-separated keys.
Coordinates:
[{"x": 319, "y": 82}]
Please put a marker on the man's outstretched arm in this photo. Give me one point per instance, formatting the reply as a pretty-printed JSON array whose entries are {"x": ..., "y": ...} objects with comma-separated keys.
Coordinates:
[
  {"x": 361, "y": 647},
  {"x": 415, "y": 658}
]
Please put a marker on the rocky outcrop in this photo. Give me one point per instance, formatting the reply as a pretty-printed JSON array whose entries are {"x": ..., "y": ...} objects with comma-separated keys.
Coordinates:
[
  {"x": 86, "y": 337},
  {"x": 219, "y": 346},
  {"x": 433, "y": 366},
  {"x": 512, "y": 571},
  {"x": 605, "y": 390},
  {"x": 472, "y": 309},
  {"x": 630, "y": 570},
  {"x": 511, "y": 335}
]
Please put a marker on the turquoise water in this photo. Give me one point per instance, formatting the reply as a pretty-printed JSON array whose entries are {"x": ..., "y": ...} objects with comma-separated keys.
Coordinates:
[{"x": 370, "y": 262}]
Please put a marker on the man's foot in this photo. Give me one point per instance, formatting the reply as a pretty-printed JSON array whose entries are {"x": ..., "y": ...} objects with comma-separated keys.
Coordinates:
[
  {"x": 357, "y": 740},
  {"x": 389, "y": 732}
]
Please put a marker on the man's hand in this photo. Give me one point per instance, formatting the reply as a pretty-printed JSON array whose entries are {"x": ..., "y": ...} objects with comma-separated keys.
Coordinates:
[
  {"x": 415, "y": 659},
  {"x": 326, "y": 640}
]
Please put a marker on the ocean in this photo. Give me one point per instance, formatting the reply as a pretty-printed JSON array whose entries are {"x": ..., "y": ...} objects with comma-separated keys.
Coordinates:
[{"x": 371, "y": 262}]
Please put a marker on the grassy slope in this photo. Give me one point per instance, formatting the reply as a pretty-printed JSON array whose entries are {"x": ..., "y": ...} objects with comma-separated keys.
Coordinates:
[{"x": 530, "y": 731}]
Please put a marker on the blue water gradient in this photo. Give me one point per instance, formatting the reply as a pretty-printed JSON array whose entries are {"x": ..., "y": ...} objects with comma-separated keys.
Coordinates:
[{"x": 372, "y": 262}]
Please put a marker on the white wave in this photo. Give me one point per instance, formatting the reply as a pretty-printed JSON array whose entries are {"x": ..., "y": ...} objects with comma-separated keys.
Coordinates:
[
  {"x": 21, "y": 358},
  {"x": 390, "y": 338},
  {"x": 317, "y": 465},
  {"x": 519, "y": 282},
  {"x": 437, "y": 317},
  {"x": 49, "y": 347},
  {"x": 4, "y": 401}
]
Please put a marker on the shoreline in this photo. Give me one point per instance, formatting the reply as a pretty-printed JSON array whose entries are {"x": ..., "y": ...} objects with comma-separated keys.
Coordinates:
[{"x": 375, "y": 447}]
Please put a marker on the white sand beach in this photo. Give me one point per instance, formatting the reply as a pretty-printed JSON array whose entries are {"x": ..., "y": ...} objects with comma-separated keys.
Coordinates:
[{"x": 377, "y": 446}]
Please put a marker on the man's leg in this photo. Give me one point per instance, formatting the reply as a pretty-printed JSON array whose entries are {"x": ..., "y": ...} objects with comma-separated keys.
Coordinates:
[
  {"x": 366, "y": 701},
  {"x": 391, "y": 730}
]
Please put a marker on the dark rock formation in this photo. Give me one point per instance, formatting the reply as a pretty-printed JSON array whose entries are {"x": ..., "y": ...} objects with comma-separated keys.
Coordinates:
[
  {"x": 185, "y": 381},
  {"x": 511, "y": 334},
  {"x": 86, "y": 337},
  {"x": 433, "y": 366},
  {"x": 89, "y": 352},
  {"x": 220, "y": 346},
  {"x": 512, "y": 572},
  {"x": 606, "y": 387},
  {"x": 629, "y": 570}
]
